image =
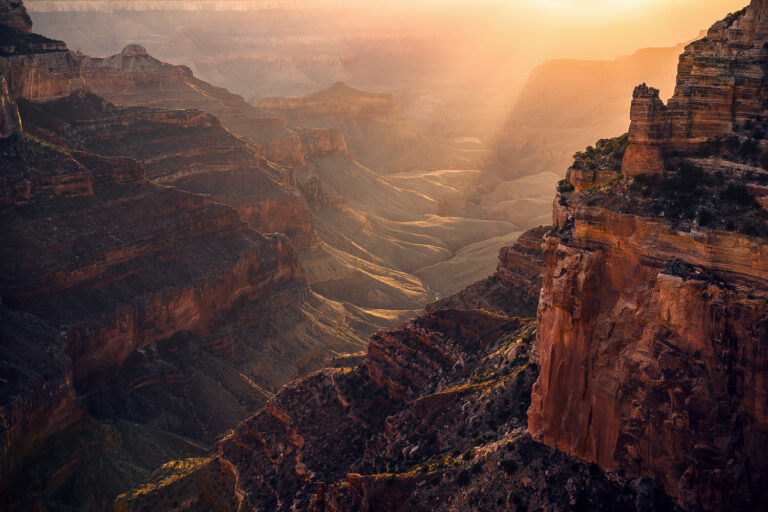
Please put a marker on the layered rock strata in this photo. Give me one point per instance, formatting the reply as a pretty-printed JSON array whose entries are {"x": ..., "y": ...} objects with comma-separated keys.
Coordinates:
[
  {"x": 33, "y": 65},
  {"x": 651, "y": 318},
  {"x": 139, "y": 321},
  {"x": 187, "y": 149},
  {"x": 721, "y": 87},
  {"x": 135, "y": 78}
]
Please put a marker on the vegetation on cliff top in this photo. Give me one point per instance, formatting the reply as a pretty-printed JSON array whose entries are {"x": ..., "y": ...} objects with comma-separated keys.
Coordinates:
[{"x": 607, "y": 154}]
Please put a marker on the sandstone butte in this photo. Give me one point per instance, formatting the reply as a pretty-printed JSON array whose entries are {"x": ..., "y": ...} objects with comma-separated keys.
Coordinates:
[
  {"x": 649, "y": 359},
  {"x": 138, "y": 321}
]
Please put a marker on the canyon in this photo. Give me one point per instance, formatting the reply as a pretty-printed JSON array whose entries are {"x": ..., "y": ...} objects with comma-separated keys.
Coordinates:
[
  {"x": 364, "y": 196},
  {"x": 208, "y": 303},
  {"x": 639, "y": 384}
]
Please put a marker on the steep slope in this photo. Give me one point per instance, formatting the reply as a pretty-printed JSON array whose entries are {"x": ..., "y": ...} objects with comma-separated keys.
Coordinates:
[
  {"x": 652, "y": 327},
  {"x": 138, "y": 321}
]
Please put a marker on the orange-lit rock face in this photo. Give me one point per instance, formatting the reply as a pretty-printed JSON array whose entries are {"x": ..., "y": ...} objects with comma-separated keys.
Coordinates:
[
  {"x": 721, "y": 84},
  {"x": 49, "y": 74},
  {"x": 652, "y": 330},
  {"x": 652, "y": 361}
]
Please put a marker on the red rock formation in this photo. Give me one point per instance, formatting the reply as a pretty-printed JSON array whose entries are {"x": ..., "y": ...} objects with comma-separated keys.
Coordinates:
[
  {"x": 720, "y": 85},
  {"x": 651, "y": 318}
]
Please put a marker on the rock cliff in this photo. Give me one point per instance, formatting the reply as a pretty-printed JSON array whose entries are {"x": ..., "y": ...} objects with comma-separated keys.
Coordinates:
[
  {"x": 33, "y": 65},
  {"x": 721, "y": 89},
  {"x": 651, "y": 318}
]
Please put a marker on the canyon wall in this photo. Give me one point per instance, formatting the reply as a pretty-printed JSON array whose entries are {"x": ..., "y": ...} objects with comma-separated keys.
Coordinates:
[
  {"x": 135, "y": 78},
  {"x": 652, "y": 328},
  {"x": 139, "y": 321}
]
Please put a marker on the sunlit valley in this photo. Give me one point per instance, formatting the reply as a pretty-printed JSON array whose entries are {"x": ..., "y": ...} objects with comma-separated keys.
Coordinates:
[{"x": 334, "y": 256}]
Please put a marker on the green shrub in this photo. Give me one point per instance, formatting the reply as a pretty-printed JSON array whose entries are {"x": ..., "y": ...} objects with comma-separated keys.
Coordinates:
[
  {"x": 734, "y": 16},
  {"x": 565, "y": 186}
]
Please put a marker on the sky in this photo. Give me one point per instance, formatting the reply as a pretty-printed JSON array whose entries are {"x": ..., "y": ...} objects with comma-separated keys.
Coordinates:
[{"x": 558, "y": 28}]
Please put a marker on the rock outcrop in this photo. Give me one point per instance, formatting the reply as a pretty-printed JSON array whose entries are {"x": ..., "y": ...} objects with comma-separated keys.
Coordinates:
[
  {"x": 33, "y": 65},
  {"x": 721, "y": 88},
  {"x": 651, "y": 320}
]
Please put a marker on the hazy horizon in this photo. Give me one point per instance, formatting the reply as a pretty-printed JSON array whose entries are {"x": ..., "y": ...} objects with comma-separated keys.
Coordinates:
[{"x": 545, "y": 29}]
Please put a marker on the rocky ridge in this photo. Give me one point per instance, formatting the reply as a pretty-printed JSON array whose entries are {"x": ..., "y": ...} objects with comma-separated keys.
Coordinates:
[
  {"x": 135, "y": 78},
  {"x": 139, "y": 321}
]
